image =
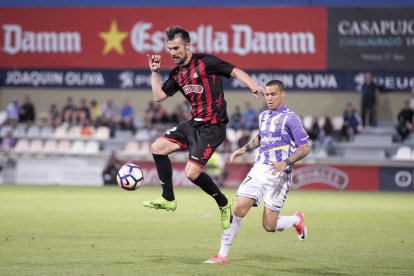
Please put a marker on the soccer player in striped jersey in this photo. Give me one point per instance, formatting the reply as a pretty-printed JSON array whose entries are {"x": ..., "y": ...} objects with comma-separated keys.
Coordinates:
[
  {"x": 197, "y": 77},
  {"x": 281, "y": 142}
]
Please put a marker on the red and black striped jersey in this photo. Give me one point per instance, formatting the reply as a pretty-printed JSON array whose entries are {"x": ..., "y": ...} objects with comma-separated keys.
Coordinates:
[{"x": 200, "y": 83}]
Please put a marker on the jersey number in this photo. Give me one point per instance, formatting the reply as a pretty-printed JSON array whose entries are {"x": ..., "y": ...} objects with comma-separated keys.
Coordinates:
[{"x": 248, "y": 178}]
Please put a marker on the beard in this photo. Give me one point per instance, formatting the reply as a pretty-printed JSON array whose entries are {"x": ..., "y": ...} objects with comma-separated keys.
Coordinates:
[{"x": 179, "y": 60}]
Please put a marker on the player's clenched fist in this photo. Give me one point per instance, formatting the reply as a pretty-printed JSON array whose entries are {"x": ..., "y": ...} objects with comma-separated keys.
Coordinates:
[{"x": 154, "y": 62}]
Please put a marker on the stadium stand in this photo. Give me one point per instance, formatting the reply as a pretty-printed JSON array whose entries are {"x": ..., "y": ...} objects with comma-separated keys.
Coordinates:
[
  {"x": 50, "y": 146},
  {"x": 22, "y": 146},
  {"x": 403, "y": 153},
  {"x": 36, "y": 146},
  {"x": 64, "y": 147},
  {"x": 371, "y": 144},
  {"x": 3, "y": 117},
  {"x": 61, "y": 132},
  {"x": 33, "y": 132},
  {"x": 102, "y": 133},
  {"x": 46, "y": 132},
  {"x": 92, "y": 147},
  {"x": 77, "y": 147}
]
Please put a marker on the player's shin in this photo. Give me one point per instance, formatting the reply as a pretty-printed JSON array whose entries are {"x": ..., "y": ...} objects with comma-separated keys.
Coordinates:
[
  {"x": 228, "y": 236},
  {"x": 164, "y": 169},
  {"x": 207, "y": 184}
]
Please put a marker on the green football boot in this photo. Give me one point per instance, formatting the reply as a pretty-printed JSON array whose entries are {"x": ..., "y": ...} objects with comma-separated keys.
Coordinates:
[
  {"x": 161, "y": 203},
  {"x": 226, "y": 214}
]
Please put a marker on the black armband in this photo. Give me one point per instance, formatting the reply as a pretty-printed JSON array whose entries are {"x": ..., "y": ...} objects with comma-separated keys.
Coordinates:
[{"x": 287, "y": 162}]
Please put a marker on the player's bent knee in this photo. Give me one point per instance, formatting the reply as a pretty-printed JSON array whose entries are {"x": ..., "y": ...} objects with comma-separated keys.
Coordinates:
[
  {"x": 239, "y": 211},
  {"x": 156, "y": 148},
  {"x": 269, "y": 227},
  {"x": 191, "y": 174}
]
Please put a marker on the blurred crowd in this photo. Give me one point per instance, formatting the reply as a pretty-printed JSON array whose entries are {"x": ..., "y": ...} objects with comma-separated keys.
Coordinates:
[{"x": 323, "y": 131}]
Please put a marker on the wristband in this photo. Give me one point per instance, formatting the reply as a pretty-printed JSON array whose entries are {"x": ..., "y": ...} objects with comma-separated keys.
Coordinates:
[{"x": 287, "y": 162}]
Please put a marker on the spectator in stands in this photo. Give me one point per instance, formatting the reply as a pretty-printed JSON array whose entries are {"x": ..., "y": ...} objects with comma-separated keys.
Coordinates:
[
  {"x": 369, "y": 100},
  {"x": 179, "y": 115},
  {"x": 54, "y": 117},
  {"x": 96, "y": 112},
  {"x": 111, "y": 169},
  {"x": 314, "y": 130},
  {"x": 27, "y": 113},
  {"x": 110, "y": 116},
  {"x": 405, "y": 124},
  {"x": 83, "y": 113},
  {"x": 325, "y": 137},
  {"x": 127, "y": 116},
  {"x": 7, "y": 143},
  {"x": 69, "y": 111},
  {"x": 149, "y": 114},
  {"x": 160, "y": 114},
  {"x": 352, "y": 122},
  {"x": 249, "y": 117},
  {"x": 12, "y": 111},
  {"x": 236, "y": 119}
]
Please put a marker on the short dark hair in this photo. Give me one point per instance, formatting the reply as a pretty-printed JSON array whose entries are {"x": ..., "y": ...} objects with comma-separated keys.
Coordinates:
[
  {"x": 276, "y": 82},
  {"x": 177, "y": 31}
]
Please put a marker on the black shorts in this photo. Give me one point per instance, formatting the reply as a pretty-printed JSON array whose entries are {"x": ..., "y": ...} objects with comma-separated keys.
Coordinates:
[{"x": 201, "y": 139}]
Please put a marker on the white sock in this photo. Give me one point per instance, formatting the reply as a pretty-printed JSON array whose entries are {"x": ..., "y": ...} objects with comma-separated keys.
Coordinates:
[
  {"x": 286, "y": 222},
  {"x": 228, "y": 236}
]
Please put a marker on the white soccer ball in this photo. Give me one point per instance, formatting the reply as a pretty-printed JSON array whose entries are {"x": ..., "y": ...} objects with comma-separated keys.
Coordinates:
[{"x": 130, "y": 177}]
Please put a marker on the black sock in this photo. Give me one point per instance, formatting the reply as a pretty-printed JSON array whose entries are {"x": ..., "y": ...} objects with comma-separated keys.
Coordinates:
[
  {"x": 164, "y": 169},
  {"x": 207, "y": 184}
]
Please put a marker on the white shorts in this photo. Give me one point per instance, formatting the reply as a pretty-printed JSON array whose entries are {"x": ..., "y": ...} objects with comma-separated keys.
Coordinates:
[{"x": 260, "y": 183}]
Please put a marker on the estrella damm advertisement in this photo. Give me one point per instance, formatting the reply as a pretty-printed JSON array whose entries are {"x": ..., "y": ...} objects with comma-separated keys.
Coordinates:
[{"x": 290, "y": 38}]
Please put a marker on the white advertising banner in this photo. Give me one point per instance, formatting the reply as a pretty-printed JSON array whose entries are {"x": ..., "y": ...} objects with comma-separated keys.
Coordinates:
[{"x": 60, "y": 171}]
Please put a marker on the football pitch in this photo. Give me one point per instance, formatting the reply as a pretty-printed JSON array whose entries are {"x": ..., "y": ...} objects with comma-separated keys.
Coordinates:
[{"x": 106, "y": 231}]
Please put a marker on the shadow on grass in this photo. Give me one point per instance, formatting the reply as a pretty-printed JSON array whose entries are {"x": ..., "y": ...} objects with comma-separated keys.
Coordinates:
[
  {"x": 312, "y": 271},
  {"x": 281, "y": 264}
]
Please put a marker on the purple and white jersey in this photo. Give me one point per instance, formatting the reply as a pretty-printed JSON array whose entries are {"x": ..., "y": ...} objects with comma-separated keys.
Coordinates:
[{"x": 281, "y": 132}]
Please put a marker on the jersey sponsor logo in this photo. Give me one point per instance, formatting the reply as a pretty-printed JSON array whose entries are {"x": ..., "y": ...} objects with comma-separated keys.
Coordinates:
[
  {"x": 193, "y": 88},
  {"x": 270, "y": 139},
  {"x": 319, "y": 175}
]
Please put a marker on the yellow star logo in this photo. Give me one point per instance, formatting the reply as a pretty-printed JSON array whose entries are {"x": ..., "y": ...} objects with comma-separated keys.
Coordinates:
[{"x": 113, "y": 39}]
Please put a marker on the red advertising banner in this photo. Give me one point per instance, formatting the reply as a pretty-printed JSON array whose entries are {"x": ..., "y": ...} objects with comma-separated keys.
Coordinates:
[
  {"x": 251, "y": 38},
  {"x": 335, "y": 177}
]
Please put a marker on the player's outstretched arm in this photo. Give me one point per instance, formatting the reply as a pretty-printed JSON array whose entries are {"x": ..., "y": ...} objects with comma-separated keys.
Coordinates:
[
  {"x": 254, "y": 143},
  {"x": 154, "y": 62},
  {"x": 244, "y": 78}
]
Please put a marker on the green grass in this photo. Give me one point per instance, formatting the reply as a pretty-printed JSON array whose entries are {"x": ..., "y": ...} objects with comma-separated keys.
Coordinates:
[{"x": 106, "y": 231}]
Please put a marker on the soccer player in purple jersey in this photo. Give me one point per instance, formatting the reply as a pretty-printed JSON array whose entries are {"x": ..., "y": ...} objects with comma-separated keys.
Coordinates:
[
  {"x": 282, "y": 141},
  {"x": 197, "y": 77}
]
